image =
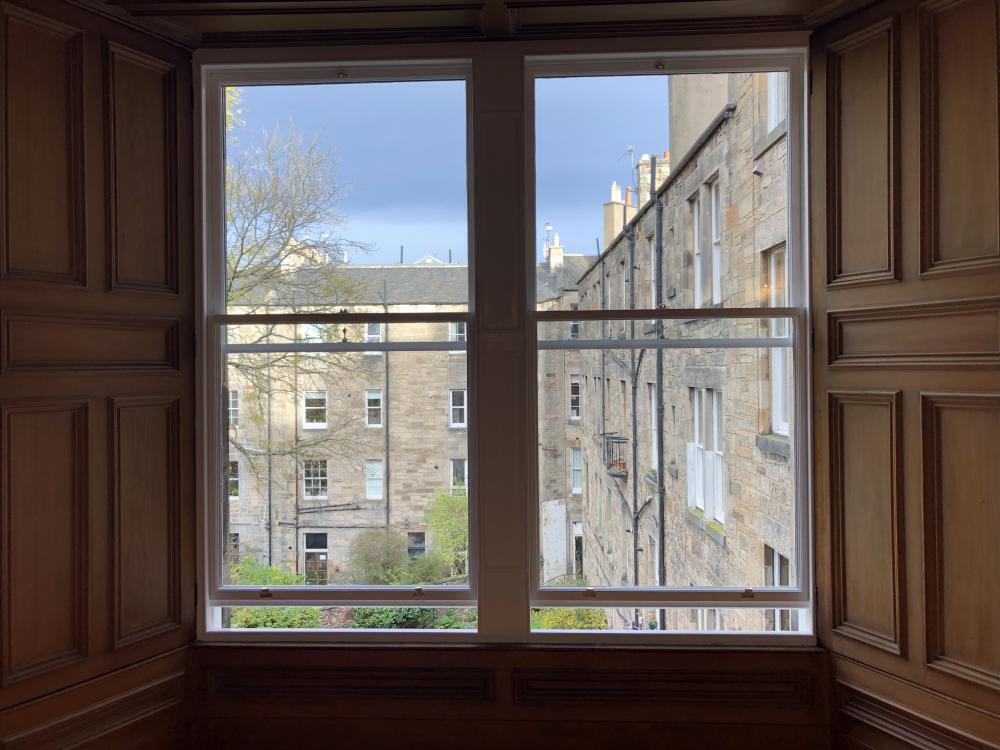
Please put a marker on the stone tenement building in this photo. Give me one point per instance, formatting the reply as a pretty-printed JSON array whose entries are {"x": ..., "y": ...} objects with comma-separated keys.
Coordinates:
[
  {"x": 727, "y": 484},
  {"x": 367, "y": 440}
]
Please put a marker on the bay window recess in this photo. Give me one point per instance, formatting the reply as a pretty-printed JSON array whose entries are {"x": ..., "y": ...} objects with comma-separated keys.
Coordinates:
[{"x": 657, "y": 470}]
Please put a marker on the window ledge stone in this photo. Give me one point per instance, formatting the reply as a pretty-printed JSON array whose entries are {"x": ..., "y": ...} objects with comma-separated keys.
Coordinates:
[
  {"x": 776, "y": 444},
  {"x": 712, "y": 528}
]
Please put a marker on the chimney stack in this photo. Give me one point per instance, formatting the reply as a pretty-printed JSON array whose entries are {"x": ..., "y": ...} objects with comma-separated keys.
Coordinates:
[
  {"x": 400, "y": 253},
  {"x": 554, "y": 253},
  {"x": 449, "y": 256},
  {"x": 614, "y": 215},
  {"x": 643, "y": 174}
]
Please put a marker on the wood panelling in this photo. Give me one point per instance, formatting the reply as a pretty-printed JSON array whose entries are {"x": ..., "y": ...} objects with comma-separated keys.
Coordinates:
[
  {"x": 773, "y": 688},
  {"x": 960, "y": 130},
  {"x": 960, "y": 333},
  {"x": 141, "y": 104},
  {"x": 862, "y": 157},
  {"x": 55, "y": 343},
  {"x": 44, "y": 549},
  {"x": 145, "y": 476},
  {"x": 891, "y": 724},
  {"x": 867, "y": 516},
  {"x": 961, "y": 432},
  {"x": 41, "y": 150}
]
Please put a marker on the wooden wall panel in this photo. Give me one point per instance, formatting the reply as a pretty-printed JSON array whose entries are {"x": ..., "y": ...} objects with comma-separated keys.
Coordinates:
[
  {"x": 54, "y": 343},
  {"x": 960, "y": 130},
  {"x": 141, "y": 102},
  {"x": 145, "y": 451},
  {"x": 44, "y": 549},
  {"x": 866, "y": 517},
  {"x": 42, "y": 236},
  {"x": 961, "y": 520},
  {"x": 862, "y": 158}
]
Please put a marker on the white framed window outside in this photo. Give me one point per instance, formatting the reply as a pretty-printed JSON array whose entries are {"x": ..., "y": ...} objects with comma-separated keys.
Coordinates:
[
  {"x": 374, "y": 479},
  {"x": 706, "y": 464},
  {"x": 576, "y": 471},
  {"x": 314, "y": 410},
  {"x": 715, "y": 259},
  {"x": 457, "y": 332},
  {"x": 777, "y": 573},
  {"x": 699, "y": 254},
  {"x": 780, "y": 371},
  {"x": 316, "y": 558},
  {"x": 234, "y": 407},
  {"x": 777, "y": 99},
  {"x": 575, "y": 398},
  {"x": 314, "y": 478},
  {"x": 457, "y": 414},
  {"x": 459, "y": 476},
  {"x": 234, "y": 479},
  {"x": 654, "y": 433},
  {"x": 373, "y": 408}
]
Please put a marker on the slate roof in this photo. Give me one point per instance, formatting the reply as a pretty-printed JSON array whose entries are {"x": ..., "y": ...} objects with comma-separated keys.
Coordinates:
[{"x": 551, "y": 285}]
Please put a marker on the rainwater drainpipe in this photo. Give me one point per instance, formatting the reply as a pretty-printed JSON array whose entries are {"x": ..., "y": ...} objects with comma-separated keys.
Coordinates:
[{"x": 661, "y": 561}]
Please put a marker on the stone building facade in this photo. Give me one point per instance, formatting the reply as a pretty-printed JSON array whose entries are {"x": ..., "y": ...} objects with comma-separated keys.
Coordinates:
[{"x": 727, "y": 483}]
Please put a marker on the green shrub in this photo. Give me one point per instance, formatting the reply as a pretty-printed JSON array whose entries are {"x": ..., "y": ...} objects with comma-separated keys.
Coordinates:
[{"x": 251, "y": 572}]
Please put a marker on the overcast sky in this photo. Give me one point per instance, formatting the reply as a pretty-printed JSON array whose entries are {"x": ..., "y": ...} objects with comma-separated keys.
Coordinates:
[{"x": 401, "y": 148}]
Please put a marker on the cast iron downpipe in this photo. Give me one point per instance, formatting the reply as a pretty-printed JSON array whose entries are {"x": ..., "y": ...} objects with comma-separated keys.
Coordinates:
[{"x": 661, "y": 561}]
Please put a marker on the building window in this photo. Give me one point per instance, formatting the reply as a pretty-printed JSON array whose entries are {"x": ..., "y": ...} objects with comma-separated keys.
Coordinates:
[
  {"x": 699, "y": 271},
  {"x": 576, "y": 470},
  {"x": 317, "y": 564},
  {"x": 716, "y": 257},
  {"x": 577, "y": 529},
  {"x": 314, "y": 410},
  {"x": 314, "y": 478},
  {"x": 575, "y": 397},
  {"x": 709, "y": 620},
  {"x": 777, "y": 572},
  {"x": 233, "y": 479},
  {"x": 653, "y": 302},
  {"x": 574, "y": 325},
  {"x": 705, "y": 465},
  {"x": 374, "y": 479},
  {"x": 416, "y": 543},
  {"x": 459, "y": 476},
  {"x": 777, "y": 99},
  {"x": 373, "y": 408},
  {"x": 780, "y": 370},
  {"x": 373, "y": 333},
  {"x": 457, "y": 412},
  {"x": 456, "y": 331},
  {"x": 234, "y": 407}
]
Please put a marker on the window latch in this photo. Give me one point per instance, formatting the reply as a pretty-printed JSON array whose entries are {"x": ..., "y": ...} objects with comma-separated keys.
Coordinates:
[
  {"x": 265, "y": 593},
  {"x": 747, "y": 594},
  {"x": 418, "y": 590}
]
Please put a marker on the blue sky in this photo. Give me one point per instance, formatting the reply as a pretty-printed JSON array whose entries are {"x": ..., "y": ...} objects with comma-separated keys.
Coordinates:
[{"x": 401, "y": 148}]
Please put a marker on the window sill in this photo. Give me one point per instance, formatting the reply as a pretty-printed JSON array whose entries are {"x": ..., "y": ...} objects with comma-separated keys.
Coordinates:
[
  {"x": 314, "y": 426},
  {"x": 712, "y": 528},
  {"x": 765, "y": 144},
  {"x": 775, "y": 444}
]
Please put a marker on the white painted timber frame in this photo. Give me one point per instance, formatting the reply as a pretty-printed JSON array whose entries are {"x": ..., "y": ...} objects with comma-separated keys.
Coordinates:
[{"x": 507, "y": 585}]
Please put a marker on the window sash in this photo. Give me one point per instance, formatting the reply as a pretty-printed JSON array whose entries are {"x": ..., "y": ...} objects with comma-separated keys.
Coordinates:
[
  {"x": 459, "y": 476},
  {"x": 576, "y": 471},
  {"x": 314, "y": 410},
  {"x": 373, "y": 408},
  {"x": 374, "y": 479},
  {"x": 314, "y": 478},
  {"x": 456, "y": 408},
  {"x": 575, "y": 398}
]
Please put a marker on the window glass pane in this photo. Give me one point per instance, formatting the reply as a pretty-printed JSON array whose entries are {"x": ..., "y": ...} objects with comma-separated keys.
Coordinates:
[
  {"x": 309, "y": 222},
  {"x": 364, "y": 489},
  {"x": 350, "y": 618},
  {"x": 727, "y": 481},
  {"x": 720, "y": 169},
  {"x": 703, "y": 620}
]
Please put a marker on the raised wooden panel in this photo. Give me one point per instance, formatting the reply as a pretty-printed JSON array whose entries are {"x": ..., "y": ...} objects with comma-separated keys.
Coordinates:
[
  {"x": 41, "y": 210},
  {"x": 141, "y": 131},
  {"x": 960, "y": 133},
  {"x": 961, "y": 432},
  {"x": 775, "y": 688},
  {"x": 862, "y": 157},
  {"x": 867, "y": 517},
  {"x": 54, "y": 343},
  {"x": 145, "y": 491},
  {"x": 963, "y": 333},
  {"x": 45, "y": 526}
]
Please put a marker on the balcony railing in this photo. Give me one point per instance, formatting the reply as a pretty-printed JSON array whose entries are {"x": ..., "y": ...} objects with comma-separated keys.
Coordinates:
[{"x": 614, "y": 454}]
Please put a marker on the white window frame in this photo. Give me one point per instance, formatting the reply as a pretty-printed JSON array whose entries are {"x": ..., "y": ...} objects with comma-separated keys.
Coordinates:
[
  {"x": 458, "y": 331},
  {"x": 715, "y": 222},
  {"x": 234, "y": 407},
  {"x": 315, "y": 475},
  {"x": 694, "y": 205},
  {"x": 654, "y": 433},
  {"x": 230, "y": 478},
  {"x": 315, "y": 396},
  {"x": 370, "y": 395},
  {"x": 777, "y": 267},
  {"x": 576, "y": 470},
  {"x": 455, "y": 490},
  {"x": 796, "y": 312},
  {"x": 372, "y": 477},
  {"x": 498, "y": 622},
  {"x": 575, "y": 398},
  {"x": 245, "y": 68},
  {"x": 462, "y": 409},
  {"x": 777, "y": 99}
]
